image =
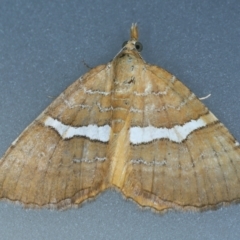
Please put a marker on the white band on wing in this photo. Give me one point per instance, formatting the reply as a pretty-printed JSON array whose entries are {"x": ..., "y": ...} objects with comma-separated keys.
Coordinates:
[
  {"x": 92, "y": 132},
  {"x": 177, "y": 134}
]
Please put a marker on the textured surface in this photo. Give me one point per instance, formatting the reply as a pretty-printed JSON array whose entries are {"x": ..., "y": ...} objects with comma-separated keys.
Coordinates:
[
  {"x": 42, "y": 46},
  {"x": 84, "y": 143}
]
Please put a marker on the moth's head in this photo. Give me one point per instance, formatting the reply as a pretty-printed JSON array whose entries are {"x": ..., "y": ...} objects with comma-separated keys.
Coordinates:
[{"x": 132, "y": 46}]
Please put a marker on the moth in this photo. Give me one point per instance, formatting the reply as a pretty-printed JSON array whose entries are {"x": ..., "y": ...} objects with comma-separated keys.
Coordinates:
[{"x": 126, "y": 125}]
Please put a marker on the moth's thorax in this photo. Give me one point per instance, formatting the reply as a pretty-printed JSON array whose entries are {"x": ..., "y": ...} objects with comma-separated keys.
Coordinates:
[{"x": 127, "y": 66}]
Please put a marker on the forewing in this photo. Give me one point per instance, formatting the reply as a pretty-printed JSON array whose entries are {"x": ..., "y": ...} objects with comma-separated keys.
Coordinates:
[
  {"x": 50, "y": 166},
  {"x": 181, "y": 156}
]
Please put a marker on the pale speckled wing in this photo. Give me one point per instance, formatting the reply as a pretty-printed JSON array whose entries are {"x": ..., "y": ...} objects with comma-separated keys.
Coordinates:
[
  {"x": 198, "y": 171},
  {"x": 41, "y": 168}
]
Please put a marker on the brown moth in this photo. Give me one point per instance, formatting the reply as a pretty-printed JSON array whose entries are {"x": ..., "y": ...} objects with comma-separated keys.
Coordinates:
[{"x": 127, "y": 125}]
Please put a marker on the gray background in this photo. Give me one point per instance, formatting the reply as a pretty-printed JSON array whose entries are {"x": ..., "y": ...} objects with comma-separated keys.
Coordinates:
[{"x": 42, "y": 45}]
